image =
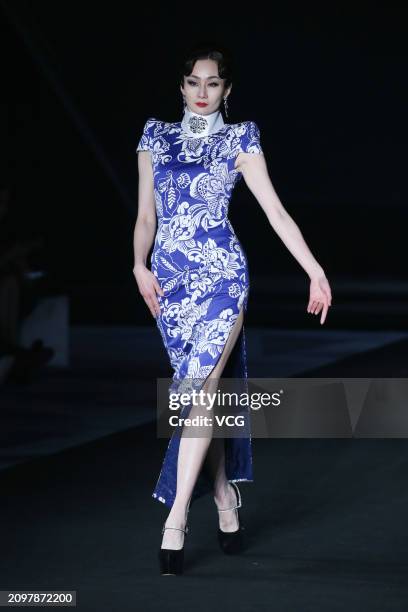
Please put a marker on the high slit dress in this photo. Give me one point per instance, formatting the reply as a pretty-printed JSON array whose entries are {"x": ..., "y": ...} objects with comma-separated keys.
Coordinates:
[{"x": 203, "y": 270}]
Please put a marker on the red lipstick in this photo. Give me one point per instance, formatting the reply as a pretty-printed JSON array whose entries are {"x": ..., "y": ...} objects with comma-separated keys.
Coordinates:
[{"x": 201, "y": 104}]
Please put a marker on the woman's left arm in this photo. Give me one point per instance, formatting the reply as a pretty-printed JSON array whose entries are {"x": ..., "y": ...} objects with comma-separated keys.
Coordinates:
[{"x": 256, "y": 176}]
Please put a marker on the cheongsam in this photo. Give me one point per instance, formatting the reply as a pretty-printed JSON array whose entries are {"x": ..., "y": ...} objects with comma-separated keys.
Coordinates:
[{"x": 202, "y": 268}]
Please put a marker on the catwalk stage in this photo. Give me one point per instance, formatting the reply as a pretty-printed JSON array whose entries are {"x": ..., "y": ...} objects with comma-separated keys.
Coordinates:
[{"x": 325, "y": 518}]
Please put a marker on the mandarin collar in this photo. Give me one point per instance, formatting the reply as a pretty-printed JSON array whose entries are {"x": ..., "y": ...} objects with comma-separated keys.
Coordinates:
[{"x": 196, "y": 125}]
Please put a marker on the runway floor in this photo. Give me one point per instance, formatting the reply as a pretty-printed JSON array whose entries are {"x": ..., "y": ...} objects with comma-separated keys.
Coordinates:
[{"x": 325, "y": 519}]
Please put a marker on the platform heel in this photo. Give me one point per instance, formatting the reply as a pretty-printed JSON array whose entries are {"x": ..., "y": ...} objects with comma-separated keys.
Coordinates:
[
  {"x": 232, "y": 542},
  {"x": 171, "y": 560}
]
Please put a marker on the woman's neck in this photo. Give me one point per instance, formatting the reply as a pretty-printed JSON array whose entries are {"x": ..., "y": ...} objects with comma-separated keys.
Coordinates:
[{"x": 196, "y": 125}]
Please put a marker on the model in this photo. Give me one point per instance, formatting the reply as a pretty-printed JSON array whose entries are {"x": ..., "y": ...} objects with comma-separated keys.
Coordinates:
[{"x": 198, "y": 285}]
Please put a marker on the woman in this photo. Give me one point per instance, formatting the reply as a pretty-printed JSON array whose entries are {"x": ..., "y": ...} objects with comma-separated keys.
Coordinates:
[{"x": 198, "y": 285}]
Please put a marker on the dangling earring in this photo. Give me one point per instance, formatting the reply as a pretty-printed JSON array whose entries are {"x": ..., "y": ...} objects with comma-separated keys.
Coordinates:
[
  {"x": 226, "y": 106},
  {"x": 184, "y": 103}
]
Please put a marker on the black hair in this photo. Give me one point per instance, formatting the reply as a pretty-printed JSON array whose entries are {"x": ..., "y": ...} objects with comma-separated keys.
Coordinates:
[{"x": 208, "y": 50}]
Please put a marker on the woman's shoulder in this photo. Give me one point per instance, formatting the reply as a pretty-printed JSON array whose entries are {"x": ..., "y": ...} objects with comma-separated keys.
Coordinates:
[
  {"x": 245, "y": 130},
  {"x": 154, "y": 126},
  {"x": 248, "y": 136},
  {"x": 249, "y": 124},
  {"x": 157, "y": 126},
  {"x": 150, "y": 120},
  {"x": 155, "y": 120},
  {"x": 240, "y": 125}
]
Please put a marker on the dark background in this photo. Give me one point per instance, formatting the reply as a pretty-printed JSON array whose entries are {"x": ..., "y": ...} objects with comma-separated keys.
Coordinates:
[
  {"x": 79, "y": 454},
  {"x": 327, "y": 87}
]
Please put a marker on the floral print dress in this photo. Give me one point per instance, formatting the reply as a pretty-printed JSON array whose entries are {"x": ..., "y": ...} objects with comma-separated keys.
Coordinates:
[{"x": 202, "y": 268}]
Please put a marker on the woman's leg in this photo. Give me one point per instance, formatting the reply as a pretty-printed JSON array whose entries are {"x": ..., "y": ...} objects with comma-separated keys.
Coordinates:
[
  {"x": 192, "y": 453},
  {"x": 224, "y": 495}
]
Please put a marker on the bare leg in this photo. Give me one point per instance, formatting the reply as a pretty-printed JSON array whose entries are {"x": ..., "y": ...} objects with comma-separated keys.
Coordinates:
[
  {"x": 192, "y": 453},
  {"x": 224, "y": 495}
]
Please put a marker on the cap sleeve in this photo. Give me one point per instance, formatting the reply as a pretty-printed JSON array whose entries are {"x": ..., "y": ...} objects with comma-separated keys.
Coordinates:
[
  {"x": 145, "y": 142},
  {"x": 250, "y": 141}
]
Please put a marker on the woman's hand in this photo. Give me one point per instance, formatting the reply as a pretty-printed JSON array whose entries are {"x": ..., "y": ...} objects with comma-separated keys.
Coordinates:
[
  {"x": 148, "y": 286},
  {"x": 320, "y": 296}
]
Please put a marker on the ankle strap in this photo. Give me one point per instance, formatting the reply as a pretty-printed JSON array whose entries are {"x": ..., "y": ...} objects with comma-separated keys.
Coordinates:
[
  {"x": 176, "y": 529},
  {"x": 239, "y": 503}
]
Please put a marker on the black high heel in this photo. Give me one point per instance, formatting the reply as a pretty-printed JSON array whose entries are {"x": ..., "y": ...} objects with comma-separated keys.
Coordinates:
[
  {"x": 232, "y": 542},
  {"x": 172, "y": 560}
]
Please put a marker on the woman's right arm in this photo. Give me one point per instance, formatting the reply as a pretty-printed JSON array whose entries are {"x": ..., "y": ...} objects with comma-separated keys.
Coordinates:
[{"x": 144, "y": 233}]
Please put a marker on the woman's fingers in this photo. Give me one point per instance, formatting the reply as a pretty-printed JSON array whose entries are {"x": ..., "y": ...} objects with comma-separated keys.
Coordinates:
[
  {"x": 149, "y": 296},
  {"x": 320, "y": 298},
  {"x": 153, "y": 304},
  {"x": 149, "y": 288},
  {"x": 312, "y": 306},
  {"x": 158, "y": 288},
  {"x": 318, "y": 306}
]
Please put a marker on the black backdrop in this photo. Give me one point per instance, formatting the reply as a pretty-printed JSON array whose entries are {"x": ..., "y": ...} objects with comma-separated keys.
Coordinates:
[{"x": 326, "y": 86}]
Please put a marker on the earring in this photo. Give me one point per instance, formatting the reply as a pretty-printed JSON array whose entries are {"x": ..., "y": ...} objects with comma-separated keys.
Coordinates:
[
  {"x": 226, "y": 106},
  {"x": 184, "y": 103}
]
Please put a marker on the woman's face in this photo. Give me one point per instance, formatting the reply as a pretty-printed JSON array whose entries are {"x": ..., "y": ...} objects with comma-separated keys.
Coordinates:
[{"x": 204, "y": 89}]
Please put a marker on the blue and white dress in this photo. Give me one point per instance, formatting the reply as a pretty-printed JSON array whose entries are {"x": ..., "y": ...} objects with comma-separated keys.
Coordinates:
[{"x": 202, "y": 268}]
